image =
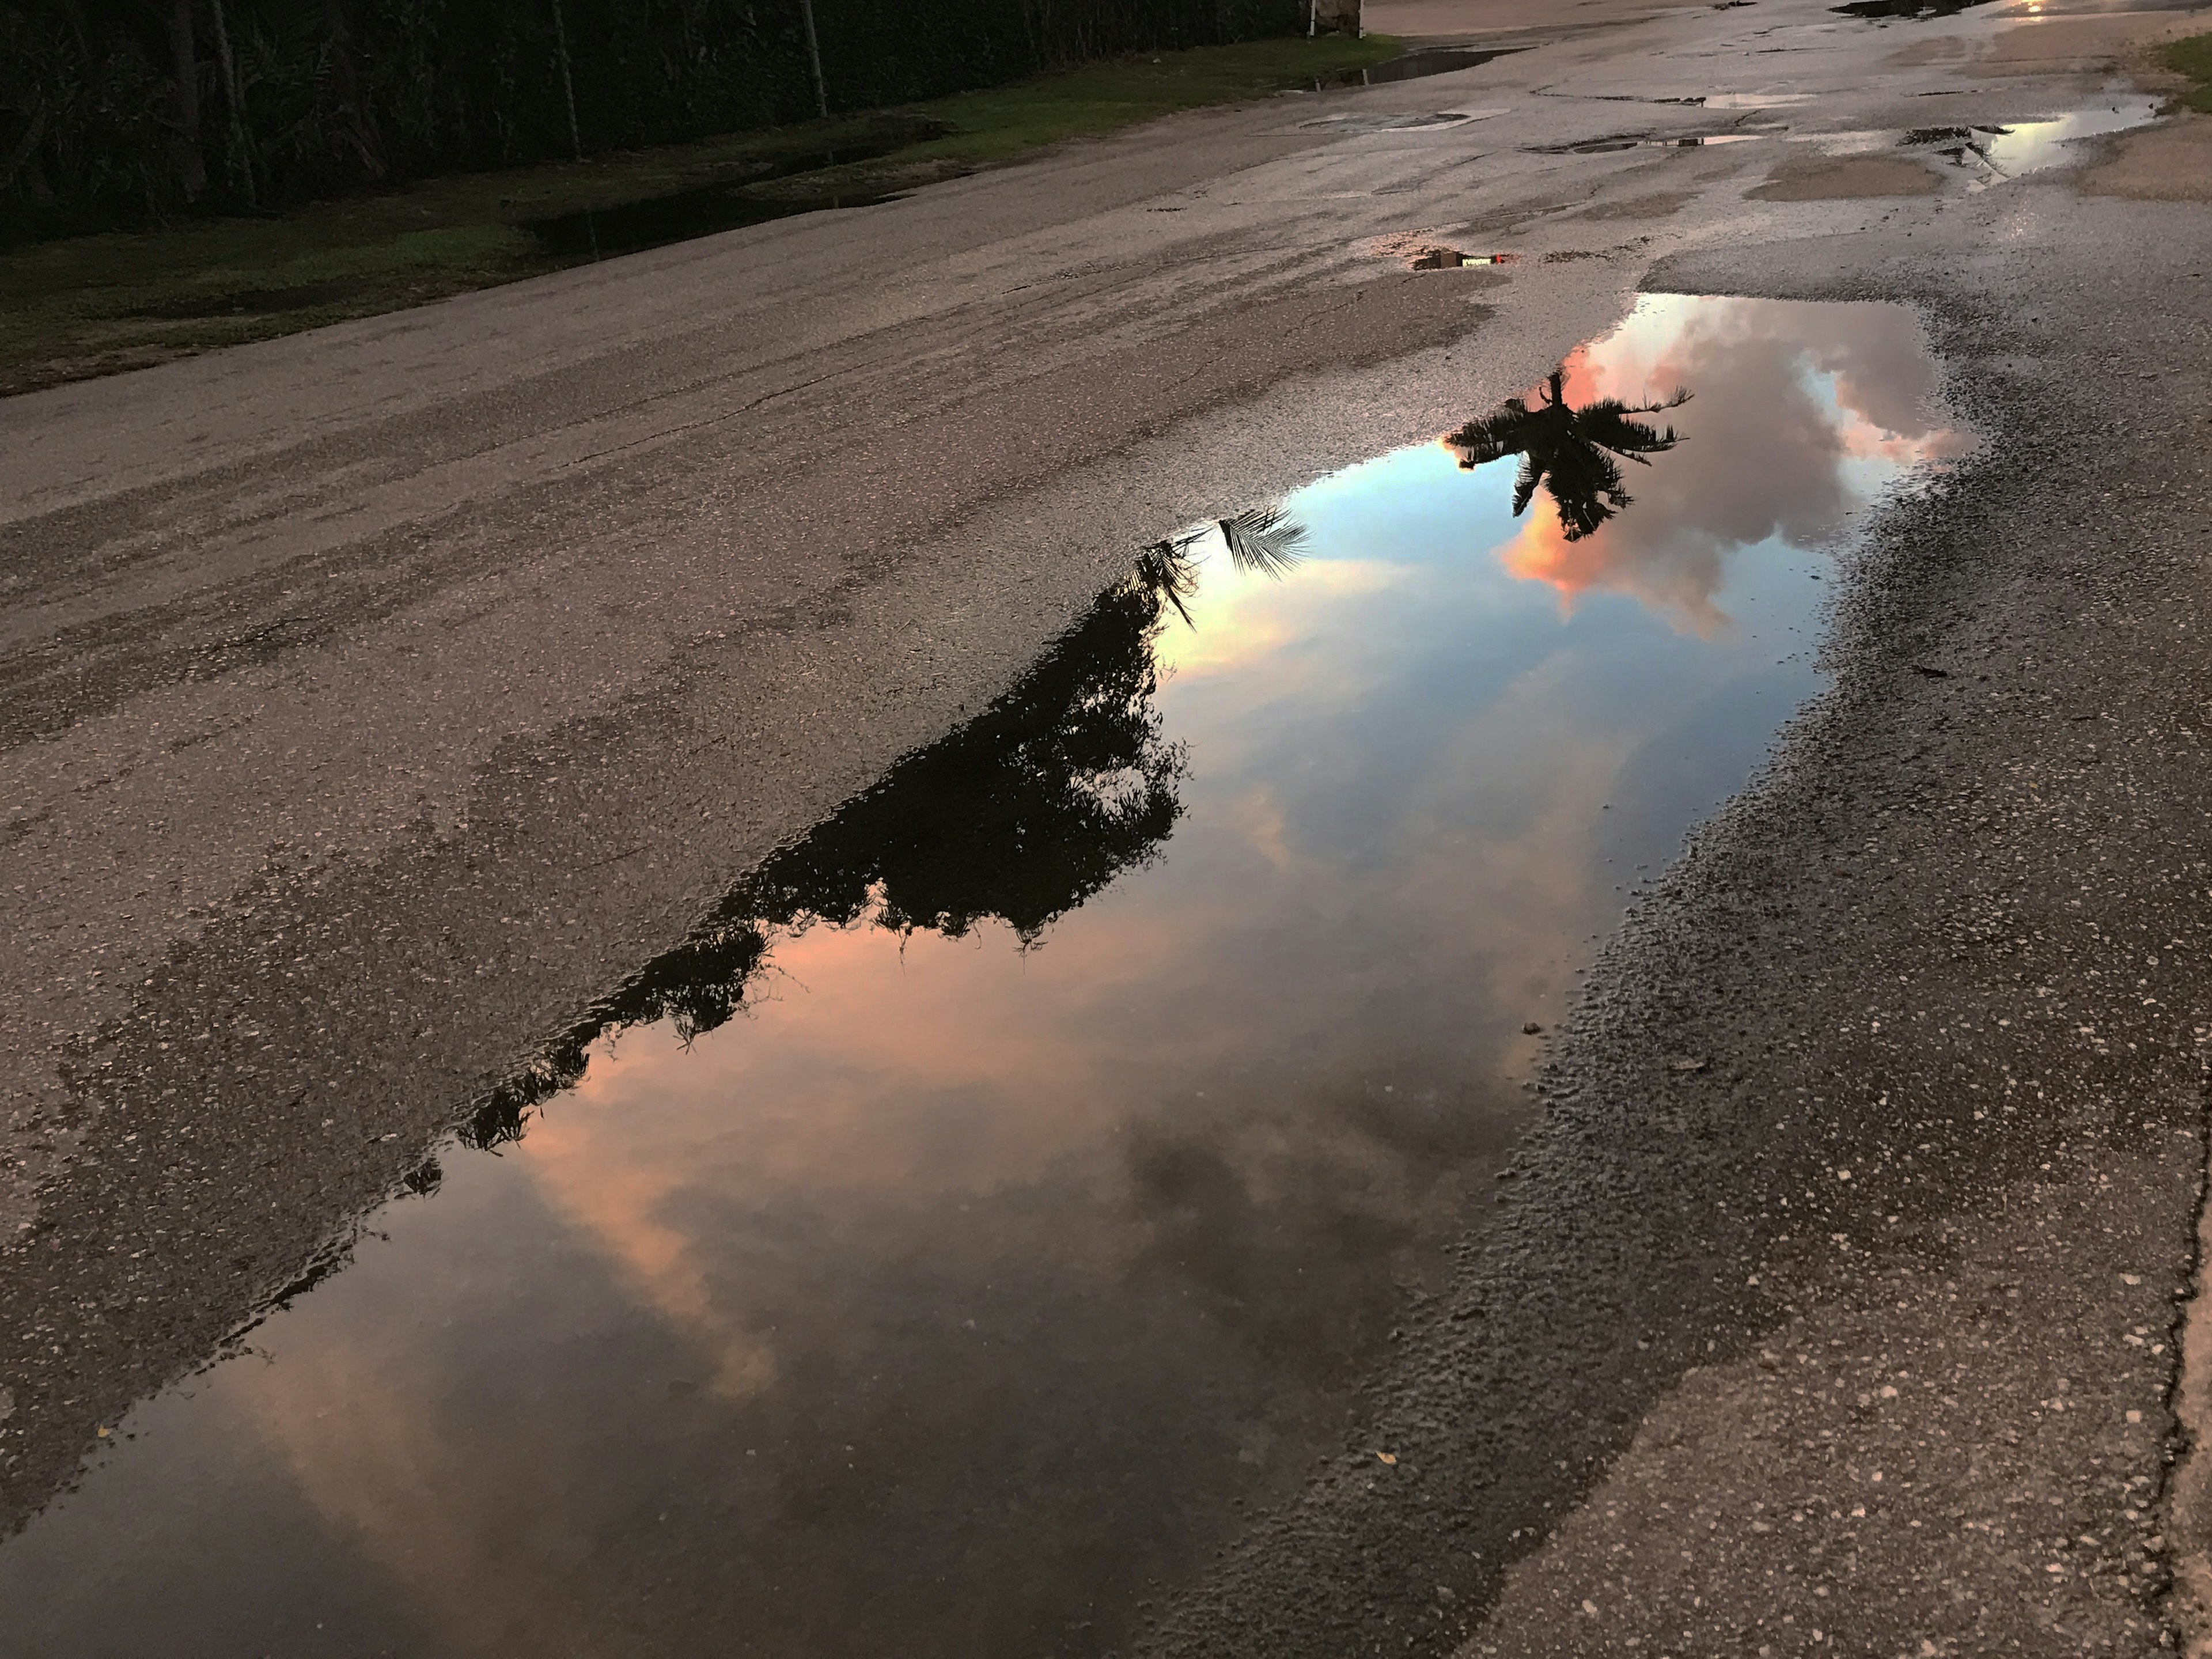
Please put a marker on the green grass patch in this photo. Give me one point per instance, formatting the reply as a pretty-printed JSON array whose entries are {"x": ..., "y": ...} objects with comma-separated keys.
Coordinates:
[
  {"x": 95, "y": 305},
  {"x": 2193, "y": 57},
  {"x": 992, "y": 125}
]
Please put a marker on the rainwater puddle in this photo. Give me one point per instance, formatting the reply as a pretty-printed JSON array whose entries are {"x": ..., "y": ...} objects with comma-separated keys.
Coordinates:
[
  {"x": 1636, "y": 141},
  {"x": 635, "y": 226},
  {"x": 1755, "y": 100},
  {"x": 1998, "y": 153},
  {"x": 1004, "y": 1193},
  {"x": 1410, "y": 122},
  {"x": 1450, "y": 258},
  {"x": 1413, "y": 66},
  {"x": 2029, "y": 10},
  {"x": 727, "y": 204},
  {"x": 1917, "y": 11},
  {"x": 1695, "y": 100}
]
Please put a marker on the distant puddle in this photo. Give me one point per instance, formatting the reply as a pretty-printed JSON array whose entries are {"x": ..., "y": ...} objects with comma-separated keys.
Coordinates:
[
  {"x": 2031, "y": 10},
  {"x": 1368, "y": 121},
  {"x": 1413, "y": 67},
  {"x": 1696, "y": 100},
  {"x": 1755, "y": 100},
  {"x": 1450, "y": 258},
  {"x": 727, "y": 204},
  {"x": 1003, "y": 1195},
  {"x": 1998, "y": 153},
  {"x": 1638, "y": 140},
  {"x": 1911, "y": 10},
  {"x": 635, "y": 226}
]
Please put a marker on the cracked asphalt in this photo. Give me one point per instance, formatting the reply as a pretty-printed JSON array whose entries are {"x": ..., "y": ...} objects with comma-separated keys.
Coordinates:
[{"x": 378, "y": 697}]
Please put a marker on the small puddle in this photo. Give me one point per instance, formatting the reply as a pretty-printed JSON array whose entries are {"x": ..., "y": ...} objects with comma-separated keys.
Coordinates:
[
  {"x": 1694, "y": 101},
  {"x": 1756, "y": 99},
  {"x": 1357, "y": 121},
  {"x": 1450, "y": 258},
  {"x": 1917, "y": 11},
  {"x": 727, "y": 204},
  {"x": 1414, "y": 65},
  {"x": 1998, "y": 153},
  {"x": 1638, "y": 140},
  {"x": 1008, "y": 1189},
  {"x": 633, "y": 227},
  {"x": 2030, "y": 10}
]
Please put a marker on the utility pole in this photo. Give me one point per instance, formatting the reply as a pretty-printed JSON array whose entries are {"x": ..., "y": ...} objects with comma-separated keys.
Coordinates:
[{"x": 814, "y": 59}]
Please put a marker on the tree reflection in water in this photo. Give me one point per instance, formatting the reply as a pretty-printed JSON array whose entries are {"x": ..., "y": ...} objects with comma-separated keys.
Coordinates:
[
  {"x": 1021, "y": 814},
  {"x": 1569, "y": 451}
]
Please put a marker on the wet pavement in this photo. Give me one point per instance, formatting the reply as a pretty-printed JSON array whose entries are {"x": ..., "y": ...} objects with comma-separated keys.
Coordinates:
[
  {"x": 383, "y": 696},
  {"x": 1004, "y": 1195}
]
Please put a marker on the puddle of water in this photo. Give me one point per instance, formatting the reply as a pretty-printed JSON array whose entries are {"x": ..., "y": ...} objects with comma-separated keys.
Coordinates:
[
  {"x": 726, "y": 203},
  {"x": 2028, "y": 10},
  {"x": 1405, "y": 123},
  {"x": 1998, "y": 153},
  {"x": 1413, "y": 66},
  {"x": 1917, "y": 11},
  {"x": 1450, "y": 258},
  {"x": 1606, "y": 146},
  {"x": 1855, "y": 143},
  {"x": 1006, "y": 1192},
  {"x": 635, "y": 226},
  {"x": 1695, "y": 100}
]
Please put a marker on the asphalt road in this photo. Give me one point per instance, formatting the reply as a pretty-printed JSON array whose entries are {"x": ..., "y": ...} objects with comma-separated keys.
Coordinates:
[{"x": 378, "y": 697}]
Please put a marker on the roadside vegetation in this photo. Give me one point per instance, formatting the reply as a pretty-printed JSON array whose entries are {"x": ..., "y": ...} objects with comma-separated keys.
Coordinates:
[
  {"x": 88, "y": 304},
  {"x": 114, "y": 113},
  {"x": 2192, "y": 58}
]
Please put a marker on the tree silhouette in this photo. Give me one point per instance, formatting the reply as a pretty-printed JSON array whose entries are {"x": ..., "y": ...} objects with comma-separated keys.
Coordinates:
[
  {"x": 1261, "y": 540},
  {"x": 1569, "y": 451},
  {"x": 1036, "y": 804}
]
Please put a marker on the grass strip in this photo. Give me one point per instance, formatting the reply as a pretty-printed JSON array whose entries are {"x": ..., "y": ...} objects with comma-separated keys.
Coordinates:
[
  {"x": 2193, "y": 57},
  {"x": 87, "y": 305}
]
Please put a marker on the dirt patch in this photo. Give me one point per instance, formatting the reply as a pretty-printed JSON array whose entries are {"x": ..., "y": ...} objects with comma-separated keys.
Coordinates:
[
  {"x": 1833, "y": 178},
  {"x": 1658, "y": 206},
  {"x": 2170, "y": 162},
  {"x": 1408, "y": 244}
]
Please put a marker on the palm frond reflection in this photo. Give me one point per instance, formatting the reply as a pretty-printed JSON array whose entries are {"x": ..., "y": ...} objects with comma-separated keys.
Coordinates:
[{"x": 1568, "y": 451}]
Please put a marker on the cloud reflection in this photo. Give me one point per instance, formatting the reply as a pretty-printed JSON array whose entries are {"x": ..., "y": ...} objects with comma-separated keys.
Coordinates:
[{"x": 1798, "y": 419}]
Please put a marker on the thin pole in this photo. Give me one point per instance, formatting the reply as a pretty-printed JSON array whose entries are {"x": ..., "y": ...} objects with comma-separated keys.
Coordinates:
[
  {"x": 814, "y": 58},
  {"x": 568, "y": 85}
]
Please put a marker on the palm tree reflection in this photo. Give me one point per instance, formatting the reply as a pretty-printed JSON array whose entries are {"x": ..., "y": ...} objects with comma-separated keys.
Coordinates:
[
  {"x": 1038, "y": 802},
  {"x": 1263, "y": 541},
  {"x": 1569, "y": 451}
]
